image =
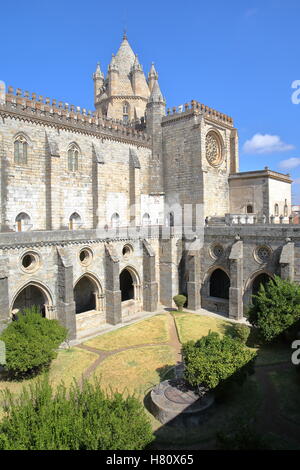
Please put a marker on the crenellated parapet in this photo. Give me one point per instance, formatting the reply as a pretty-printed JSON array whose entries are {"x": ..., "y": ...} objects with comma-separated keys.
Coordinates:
[
  {"x": 32, "y": 107},
  {"x": 194, "y": 107}
]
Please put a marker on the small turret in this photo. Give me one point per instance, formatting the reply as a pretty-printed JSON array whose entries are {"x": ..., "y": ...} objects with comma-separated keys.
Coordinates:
[
  {"x": 152, "y": 77},
  {"x": 98, "y": 78},
  {"x": 138, "y": 80},
  {"x": 113, "y": 77},
  {"x": 156, "y": 95},
  {"x": 155, "y": 111}
]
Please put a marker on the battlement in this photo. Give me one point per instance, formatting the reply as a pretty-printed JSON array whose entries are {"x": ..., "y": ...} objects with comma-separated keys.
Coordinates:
[
  {"x": 194, "y": 107},
  {"x": 57, "y": 112}
]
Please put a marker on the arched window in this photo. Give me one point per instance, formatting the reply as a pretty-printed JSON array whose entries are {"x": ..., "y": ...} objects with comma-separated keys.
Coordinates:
[
  {"x": 276, "y": 210},
  {"x": 170, "y": 219},
  {"x": 146, "y": 219},
  {"x": 73, "y": 157},
  {"x": 219, "y": 284},
  {"x": 125, "y": 112},
  {"x": 249, "y": 209},
  {"x": 20, "y": 150},
  {"x": 74, "y": 221},
  {"x": 22, "y": 222},
  {"x": 115, "y": 220},
  {"x": 286, "y": 209}
]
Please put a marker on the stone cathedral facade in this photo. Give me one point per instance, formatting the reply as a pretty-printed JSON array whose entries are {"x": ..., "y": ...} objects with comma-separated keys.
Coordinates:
[{"x": 106, "y": 215}]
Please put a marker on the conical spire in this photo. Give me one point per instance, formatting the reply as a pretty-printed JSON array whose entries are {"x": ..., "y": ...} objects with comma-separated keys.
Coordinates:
[
  {"x": 153, "y": 73},
  {"x": 98, "y": 73},
  {"x": 125, "y": 57},
  {"x": 156, "y": 95}
]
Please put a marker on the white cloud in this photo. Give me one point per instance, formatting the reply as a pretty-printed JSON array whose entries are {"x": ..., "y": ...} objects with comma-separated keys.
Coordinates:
[
  {"x": 265, "y": 143},
  {"x": 297, "y": 181},
  {"x": 289, "y": 163}
]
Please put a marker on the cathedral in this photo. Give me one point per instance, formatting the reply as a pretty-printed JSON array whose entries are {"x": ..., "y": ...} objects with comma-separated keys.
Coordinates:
[{"x": 107, "y": 214}]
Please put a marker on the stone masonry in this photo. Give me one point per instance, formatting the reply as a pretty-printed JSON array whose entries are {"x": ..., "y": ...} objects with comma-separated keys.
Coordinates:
[{"x": 106, "y": 215}]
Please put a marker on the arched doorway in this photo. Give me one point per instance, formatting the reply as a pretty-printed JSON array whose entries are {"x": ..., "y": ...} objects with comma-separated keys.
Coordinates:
[
  {"x": 115, "y": 220},
  {"x": 85, "y": 295},
  {"x": 262, "y": 278},
  {"x": 219, "y": 284},
  {"x": 22, "y": 222},
  {"x": 126, "y": 285},
  {"x": 130, "y": 288},
  {"x": 74, "y": 221},
  {"x": 32, "y": 295},
  {"x": 146, "y": 219}
]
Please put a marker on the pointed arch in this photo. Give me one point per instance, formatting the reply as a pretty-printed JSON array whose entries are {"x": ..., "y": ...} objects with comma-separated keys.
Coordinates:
[
  {"x": 73, "y": 156},
  {"x": 88, "y": 293},
  {"x": 75, "y": 221},
  {"x": 33, "y": 293},
  {"x": 21, "y": 145},
  {"x": 129, "y": 284}
]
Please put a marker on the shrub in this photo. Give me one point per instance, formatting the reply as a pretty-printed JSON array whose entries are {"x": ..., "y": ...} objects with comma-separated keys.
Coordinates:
[
  {"x": 213, "y": 359},
  {"x": 81, "y": 418},
  {"x": 31, "y": 342},
  {"x": 179, "y": 300},
  {"x": 275, "y": 308},
  {"x": 240, "y": 332}
]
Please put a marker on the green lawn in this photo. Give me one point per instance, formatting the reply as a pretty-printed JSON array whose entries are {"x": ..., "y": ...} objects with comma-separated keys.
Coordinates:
[
  {"x": 153, "y": 330},
  {"x": 192, "y": 327},
  {"x": 136, "y": 370},
  {"x": 69, "y": 364}
]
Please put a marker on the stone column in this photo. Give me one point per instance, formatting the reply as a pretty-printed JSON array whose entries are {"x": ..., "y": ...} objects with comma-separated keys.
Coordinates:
[
  {"x": 193, "y": 285},
  {"x": 236, "y": 281},
  {"x": 287, "y": 261},
  {"x": 4, "y": 299},
  {"x": 54, "y": 219},
  {"x": 113, "y": 293},
  {"x": 65, "y": 293},
  {"x": 134, "y": 188},
  {"x": 150, "y": 285},
  {"x": 168, "y": 268}
]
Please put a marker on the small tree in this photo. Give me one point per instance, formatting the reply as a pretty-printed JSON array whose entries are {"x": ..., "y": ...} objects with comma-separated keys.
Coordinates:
[
  {"x": 213, "y": 359},
  {"x": 31, "y": 342},
  {"x": 240, "y": 332},
  {"x": 81, "y": 418},
  {"x": 179, "y": 300},
  {"x": 275, "y": 308}
]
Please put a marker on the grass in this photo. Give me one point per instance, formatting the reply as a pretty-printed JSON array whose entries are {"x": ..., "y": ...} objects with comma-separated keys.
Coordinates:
[
  {"x": 68, "y": 364},
  {"x": 151, "y": 331},
  {"x": 193, "y": 327},
  {"x": 136, "y": 370}
]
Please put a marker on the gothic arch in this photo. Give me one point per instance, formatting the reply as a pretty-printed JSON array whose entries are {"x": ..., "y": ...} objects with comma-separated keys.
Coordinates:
[
  {"x": 88, "y": 293},
  {"x": 75, "y": 220},
  {"x": 205, "y": 289},
  {"x": 130, "y": 284},
  {"x": 22, "y": 298},
  {"x": 248, "y": 288}
]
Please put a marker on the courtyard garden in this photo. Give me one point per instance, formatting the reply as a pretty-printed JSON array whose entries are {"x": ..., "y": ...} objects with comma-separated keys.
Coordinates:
[{"x": 133, "y": 359}]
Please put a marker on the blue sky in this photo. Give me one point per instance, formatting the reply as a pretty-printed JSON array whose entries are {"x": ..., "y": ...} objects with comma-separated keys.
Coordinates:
[{"x": 239, "y": 57}]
